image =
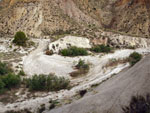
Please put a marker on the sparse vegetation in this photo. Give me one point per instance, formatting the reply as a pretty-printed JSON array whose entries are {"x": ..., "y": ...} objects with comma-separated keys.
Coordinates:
[
  {"x": 47, "y": 83},
  {"x": 134, "y": 58},
  {"x": 53, "y": 104},
  {"x": 74, "y": 51},
  {"x": 101, "y": 48},
  {"x": 36, "y": 83},
  {"x": 2, "y": 86},
  {"x": 22, "y": 73},
  {"x": 82, "y": 68},
  {"x": 20, "y": 38},
  {"x": 82, "y": 65},
  {"x": 21, "y": 111},
  {"x": 138, "y": 104},
  {"x": 131, "y": 47},
  {"x": 114, "y": 62},
  {"x": 9, "y": 81},
  {"x": 61, "y": 32},
  {"x": 4, "y": 68}
]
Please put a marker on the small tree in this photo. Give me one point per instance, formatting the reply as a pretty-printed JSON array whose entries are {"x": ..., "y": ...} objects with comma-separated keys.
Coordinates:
[{"x": 20, "y": 38}]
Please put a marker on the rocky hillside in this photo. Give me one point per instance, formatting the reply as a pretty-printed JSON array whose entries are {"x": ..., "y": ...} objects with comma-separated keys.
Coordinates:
[{"x": 80, "y": 17}]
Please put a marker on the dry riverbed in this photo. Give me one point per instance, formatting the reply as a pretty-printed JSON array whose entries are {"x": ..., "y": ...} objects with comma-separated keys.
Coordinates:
[{"x": 36, "y": 62}]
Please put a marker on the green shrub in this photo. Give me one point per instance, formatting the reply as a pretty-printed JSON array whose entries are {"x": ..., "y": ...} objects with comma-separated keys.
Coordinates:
[
  {"x": 2, "y": 86},
  {"x": 101, "y": 48},
  {"x": 82, "y": 68},
  {"x": 20, "y": 39},
  {"x": 134, "y": 58},
  {"x": 47, "y": 83},
  {"x": 74, "y": 51},
  {"x": 7, "y": 78},
  {"x": 22, "y": 73},
  {"x": 82, "y": 65},
  {"x": 11, "y": 80},
  {"x": 4, "y": 68},
  {"x": 37, "y": 82},
  {"x": 138, "y": 104}
]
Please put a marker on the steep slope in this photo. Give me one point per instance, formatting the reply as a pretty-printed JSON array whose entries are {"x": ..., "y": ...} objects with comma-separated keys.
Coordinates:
[
  {"x": 46, "y": 17},
  {"x": 127, "y": 16},
  {"x": 110, "y": 96},
  {"x": 25, "y": 16},
  {"x": 134, "y": 17}
]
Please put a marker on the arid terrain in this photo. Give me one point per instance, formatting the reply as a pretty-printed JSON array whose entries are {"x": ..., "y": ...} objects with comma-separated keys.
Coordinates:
[{"x": 73, "y": 56}]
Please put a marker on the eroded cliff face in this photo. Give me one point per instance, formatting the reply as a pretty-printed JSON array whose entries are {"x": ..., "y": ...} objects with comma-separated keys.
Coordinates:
[
  {"x": 127, "y": 16},
  {"x": 46, "y": 17},
  {"x": 133, "y": 17},
  {"x": 25, "y": 16}
]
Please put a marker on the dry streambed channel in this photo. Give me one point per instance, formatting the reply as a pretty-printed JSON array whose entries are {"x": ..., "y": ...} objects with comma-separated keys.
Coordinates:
[{"x": 37, "y": 62}]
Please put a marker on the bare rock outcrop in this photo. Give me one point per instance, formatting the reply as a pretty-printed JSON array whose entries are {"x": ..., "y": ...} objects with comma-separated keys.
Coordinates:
[{"x": 69, "y": 41}]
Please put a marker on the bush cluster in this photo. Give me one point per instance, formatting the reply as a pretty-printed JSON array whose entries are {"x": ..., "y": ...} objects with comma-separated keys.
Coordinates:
[
  {"x": 101, "y": 48},
  {"x": 82, "y": 65},
  {"x": 138, "y": 104},
  {"x": 9, "y": 81},
  {"x": 82, "y": 68},
  {"x": 47, "y": 83},
  {"x": 20, "y": 38},
  {"x": 134, "y": 58},
  {"x": 4, "y": 69},
  {"x": 74, "y": 51}
]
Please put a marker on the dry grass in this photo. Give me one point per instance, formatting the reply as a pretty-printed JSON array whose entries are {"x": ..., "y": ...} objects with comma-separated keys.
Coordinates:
[
  {"x": 114, "y": 62},
  {"x": 79, "y": 72}
]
